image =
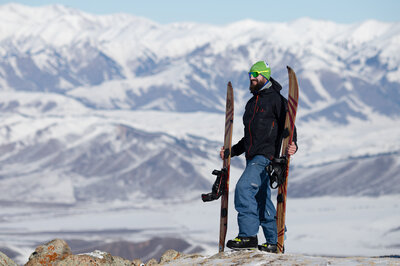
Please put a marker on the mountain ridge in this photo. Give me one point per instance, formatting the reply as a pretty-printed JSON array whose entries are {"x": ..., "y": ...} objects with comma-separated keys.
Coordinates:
[
  {"x": 52, "y": 79},
  {"x": 147, "y": 62},
  {"x": 97, "y": 50}
]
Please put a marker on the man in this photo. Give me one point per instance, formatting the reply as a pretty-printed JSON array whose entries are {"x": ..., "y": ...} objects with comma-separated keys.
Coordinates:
[{"x": 263, "y": 121}]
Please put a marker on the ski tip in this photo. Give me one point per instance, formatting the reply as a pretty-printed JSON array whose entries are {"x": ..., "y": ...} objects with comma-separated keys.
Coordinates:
[
  {"x": 229, "y": 84},
  {"x": 289, "y": 68}
]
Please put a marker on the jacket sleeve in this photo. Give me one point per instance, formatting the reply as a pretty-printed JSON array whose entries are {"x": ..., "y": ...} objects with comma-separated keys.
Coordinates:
[{"x": 238, "y": 148}]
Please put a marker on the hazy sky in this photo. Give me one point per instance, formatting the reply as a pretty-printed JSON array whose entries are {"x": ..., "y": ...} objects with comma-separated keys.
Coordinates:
[{"x": 223, "y": 11}]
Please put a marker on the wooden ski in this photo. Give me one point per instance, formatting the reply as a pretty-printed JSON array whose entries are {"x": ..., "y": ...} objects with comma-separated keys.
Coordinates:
[
  {"x": 226, "y": 165},
  {"x": 289, "y": 128}
]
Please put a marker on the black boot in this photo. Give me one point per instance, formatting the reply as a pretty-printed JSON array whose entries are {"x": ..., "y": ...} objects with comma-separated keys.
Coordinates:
[
  {"x": 243, "y": 243},
  {"x": 272, "y": 248}
]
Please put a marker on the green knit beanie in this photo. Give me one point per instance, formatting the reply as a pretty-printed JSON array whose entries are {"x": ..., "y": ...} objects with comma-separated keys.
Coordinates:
[{"x": 262, "y": 68}]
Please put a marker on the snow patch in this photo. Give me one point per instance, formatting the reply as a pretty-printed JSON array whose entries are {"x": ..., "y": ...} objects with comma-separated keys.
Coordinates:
[{"x": 96, "y": 254}]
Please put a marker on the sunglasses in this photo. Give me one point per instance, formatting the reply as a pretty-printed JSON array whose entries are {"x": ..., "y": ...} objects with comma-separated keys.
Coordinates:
[{"x": 255, "y": 74}]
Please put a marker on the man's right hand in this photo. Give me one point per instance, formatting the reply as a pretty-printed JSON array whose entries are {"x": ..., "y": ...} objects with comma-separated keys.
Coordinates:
[{"x": 222, "y": 152}]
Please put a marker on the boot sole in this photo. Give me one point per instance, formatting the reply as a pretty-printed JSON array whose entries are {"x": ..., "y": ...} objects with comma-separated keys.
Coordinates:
[
  {"x": 261, "y": 248},
  {"x": 237, "y": 249}
]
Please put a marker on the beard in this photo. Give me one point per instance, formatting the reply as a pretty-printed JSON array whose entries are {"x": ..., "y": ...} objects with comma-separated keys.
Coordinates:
[{"x": 254, "y": 88}]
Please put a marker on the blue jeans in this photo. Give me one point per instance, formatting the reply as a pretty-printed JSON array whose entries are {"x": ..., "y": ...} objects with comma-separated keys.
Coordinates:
[{"x": 253, "y": 201}]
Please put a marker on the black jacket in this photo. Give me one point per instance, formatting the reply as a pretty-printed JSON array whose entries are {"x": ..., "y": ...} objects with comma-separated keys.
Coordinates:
[{"x": 264, "y": 120}]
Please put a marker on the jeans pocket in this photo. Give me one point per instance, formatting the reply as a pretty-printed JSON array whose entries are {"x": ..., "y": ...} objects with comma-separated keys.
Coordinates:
[
  {"x": 254, "y": 185},
  {"x": 260, "y": 161}
]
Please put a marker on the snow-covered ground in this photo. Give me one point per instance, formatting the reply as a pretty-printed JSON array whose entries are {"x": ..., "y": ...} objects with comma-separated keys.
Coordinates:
[
  {"x": 337, "y": 226},
  {"x": 316, "y": 226}
]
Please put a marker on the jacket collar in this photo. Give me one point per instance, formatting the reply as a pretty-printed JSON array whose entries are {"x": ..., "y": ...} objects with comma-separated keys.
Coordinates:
[{"x": 272, "y": 84}]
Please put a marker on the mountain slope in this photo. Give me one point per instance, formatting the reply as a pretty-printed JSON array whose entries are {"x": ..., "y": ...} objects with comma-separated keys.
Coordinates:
[
  {"x": 77, "y": 90},
  {"x": 98, "y": 160},
  {"x": 139, "y": 64},
  {"x": 374, "y": 176}
]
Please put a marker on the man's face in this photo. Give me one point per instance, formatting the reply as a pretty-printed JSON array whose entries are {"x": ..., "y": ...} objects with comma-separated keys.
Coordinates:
[{"x": 256, "y": 83}]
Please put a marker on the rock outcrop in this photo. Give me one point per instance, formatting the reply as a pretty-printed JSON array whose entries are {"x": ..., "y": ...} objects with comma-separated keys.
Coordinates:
[
  {"x": 4, "y": 260},
  {"x": 58, "y": 253},
  {"x": 250, "y": 257},
  {"x": 51, "y": 252}
]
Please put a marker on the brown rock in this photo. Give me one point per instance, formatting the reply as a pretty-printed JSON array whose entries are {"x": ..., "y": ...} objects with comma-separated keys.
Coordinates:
[
  {"x": 80, "y": 260},
  {"x": 137, "y": 262},
  {"x": 152, "y": 262},
  {"x": 4, "y": 260},
  {"x": 121, "y": 261},
  {"x": 169, "y": 255},
  {"x": 49, "y": 253},
  {"x": 95, "y": 258}
]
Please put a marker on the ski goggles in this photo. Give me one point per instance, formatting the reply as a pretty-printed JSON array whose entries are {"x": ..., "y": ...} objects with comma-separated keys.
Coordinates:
[{"x": 255, "y": 74}]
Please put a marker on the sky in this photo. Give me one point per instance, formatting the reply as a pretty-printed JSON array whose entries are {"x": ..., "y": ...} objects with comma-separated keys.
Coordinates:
[{"x": 220, "y": 12}]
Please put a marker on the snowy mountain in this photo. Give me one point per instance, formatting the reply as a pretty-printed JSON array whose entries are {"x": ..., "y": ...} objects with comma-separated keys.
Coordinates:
[
  {"x": 138, "y": 64},
  {"x": 114, "y": 120},
  {"x": 375, "y": 175},
  {"x": 86, "y": 157},
  {"x": 65, "y": 74}
]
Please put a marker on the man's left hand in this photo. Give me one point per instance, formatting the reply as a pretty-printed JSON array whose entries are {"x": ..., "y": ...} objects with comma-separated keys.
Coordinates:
[{"x": 292, "y": 149}]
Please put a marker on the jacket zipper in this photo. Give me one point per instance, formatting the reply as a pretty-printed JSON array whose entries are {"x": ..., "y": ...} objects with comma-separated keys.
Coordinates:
[
  {"x": 251, "y": 137},
  {"x": 272, "y": 127}
]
